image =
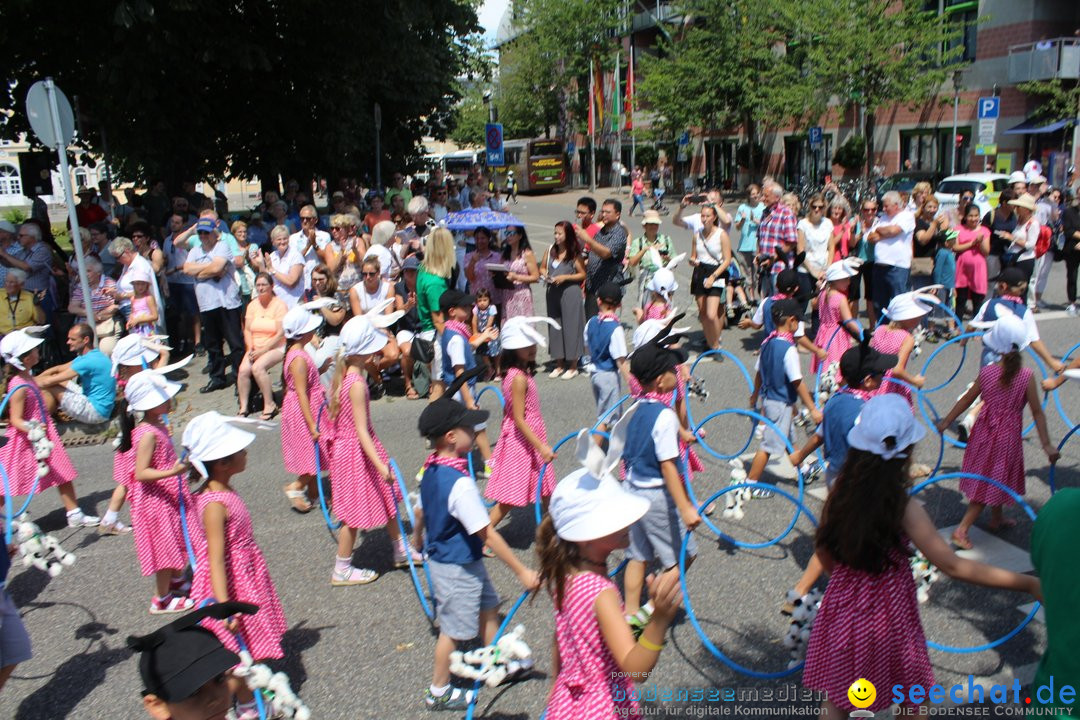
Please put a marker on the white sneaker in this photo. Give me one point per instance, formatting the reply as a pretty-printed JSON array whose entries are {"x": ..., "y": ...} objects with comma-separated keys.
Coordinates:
[
  {"x": 1072, "y": 310},
  {"x": 80, "y": 519}
]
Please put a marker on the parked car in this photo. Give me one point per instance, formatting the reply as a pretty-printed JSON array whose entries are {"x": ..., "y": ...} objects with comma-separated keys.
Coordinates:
[
  {"x": 986, "y": 186},
  {"x": 905, "y": 181}
]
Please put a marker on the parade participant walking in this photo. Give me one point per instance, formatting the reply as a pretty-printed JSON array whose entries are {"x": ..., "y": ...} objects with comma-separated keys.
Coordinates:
[
  {"x": 304, "y": 397},
  {"x": 835, "y": 313},
  {"x": 905, "y": 312},
  {"x": 606, "y": 344}
]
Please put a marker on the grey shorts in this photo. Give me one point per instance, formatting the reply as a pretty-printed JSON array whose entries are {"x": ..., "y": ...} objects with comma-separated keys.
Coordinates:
[
  {"x": 461, "y": 592},
  {"x": 14, "y": 640},
  {"x": 75, "y": 404},
  {"x": 607, "y": 391},
  {"x": 780, "y": 414},
  {"x": 659, "y": 533}
]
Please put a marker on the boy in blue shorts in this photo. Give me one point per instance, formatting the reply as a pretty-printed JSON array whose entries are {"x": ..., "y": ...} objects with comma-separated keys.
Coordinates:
[
  {"x": 606, "y": 345},
  {"x": 651, "y": 456},
  {"x": 455, "y": 524},
  {"x": 778, "y": 382}
]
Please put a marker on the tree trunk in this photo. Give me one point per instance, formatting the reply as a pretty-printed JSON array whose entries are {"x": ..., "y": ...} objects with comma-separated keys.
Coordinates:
[{"x": 868, "y": 134}]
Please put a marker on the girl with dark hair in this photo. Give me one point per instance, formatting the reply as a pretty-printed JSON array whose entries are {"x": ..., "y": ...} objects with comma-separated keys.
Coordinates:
[
  {"x": 519, "y": 256},
  {"x": 564, "y": 271},
  {"x": 868, "y": 625}
]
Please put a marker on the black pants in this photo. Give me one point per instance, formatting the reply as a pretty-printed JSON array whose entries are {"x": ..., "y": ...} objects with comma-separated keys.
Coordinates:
[
  {"x": 591, "y": 308},
  {"x": 962, "y": 297},
  {"x": 220, "y": 326},
  {"x": 1027, "y": 267},
  {"x": 1072, "y": 262}
]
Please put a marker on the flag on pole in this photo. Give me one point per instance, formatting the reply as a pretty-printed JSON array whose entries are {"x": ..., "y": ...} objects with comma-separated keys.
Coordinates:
[
  {"x": 592, "y": 102},
  {"x": 616, "y": 97},
  {"x": 630, "y": 92},
  {"x": 598, "y": 85}
]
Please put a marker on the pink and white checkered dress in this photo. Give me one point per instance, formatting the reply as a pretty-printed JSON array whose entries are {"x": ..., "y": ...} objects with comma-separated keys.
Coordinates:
[
  {"x": 17, "y": 454},
  {"x": 656, "y": 311},
  {"x": 248, "y": 580},
  {"x": 868, "y": 627},
  {"x": 155, "y": 508},
  {"x": 589, "y": 683},
  {"x": 996, "y": 446},
  {"x": 124, "y": 465},
  {"x": 361, "y": 498},
  {"x": 296, "y": 446},
  {"x": 828, "y": 338},
  {"x": 515, "y": 462},
  {"x": 889, "y": 341}
]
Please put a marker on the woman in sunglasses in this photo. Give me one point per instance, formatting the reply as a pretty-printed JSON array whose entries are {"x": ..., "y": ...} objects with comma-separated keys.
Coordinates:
[{"x": 369, "y": 292}]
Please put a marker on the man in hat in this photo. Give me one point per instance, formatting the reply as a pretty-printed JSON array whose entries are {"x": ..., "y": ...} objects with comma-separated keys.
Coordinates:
[
  {"x": 639, "y": 254},
  {"x": 218, "y": 296},
  {"x": 185, "y": 669}
]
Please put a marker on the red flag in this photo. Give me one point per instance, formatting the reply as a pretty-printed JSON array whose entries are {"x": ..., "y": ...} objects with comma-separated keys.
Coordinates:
[
  {"x": 598, "y": 87},
  {"x": 629, "y": 105}
]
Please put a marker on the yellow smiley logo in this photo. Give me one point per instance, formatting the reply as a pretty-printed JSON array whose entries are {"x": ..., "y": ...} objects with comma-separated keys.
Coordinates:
[{"x": 861, "y": 694}]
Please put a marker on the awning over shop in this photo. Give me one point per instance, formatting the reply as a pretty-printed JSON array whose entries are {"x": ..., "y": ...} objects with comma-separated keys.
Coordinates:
[{"x": 1033, "y": 126}]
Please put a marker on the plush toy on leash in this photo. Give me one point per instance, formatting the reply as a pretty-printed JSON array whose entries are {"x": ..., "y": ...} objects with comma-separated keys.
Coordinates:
[
  {"x": 39, "y": 549},
  {"x": 280, "y": 699},
  {"x": 43, "y": 446},
  {"x": 508, "y": 659},
  {"x": 736, "y": 498},
  {"x": 802, "y": 621},
  {"x": 924, "y": 573},
  {"x": 830, "y": 383}
]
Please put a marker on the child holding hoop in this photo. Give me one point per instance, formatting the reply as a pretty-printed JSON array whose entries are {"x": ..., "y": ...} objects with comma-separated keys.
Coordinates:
[{"x": 303, "y": 399}]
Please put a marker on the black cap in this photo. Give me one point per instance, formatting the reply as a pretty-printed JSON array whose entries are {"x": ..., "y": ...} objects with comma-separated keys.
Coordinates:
[
  {"x": 657, "y": 357},
  {"x": 861, "y": 361},
  {"x": 786, "y": 307},
  {"x": 610, "y": 292},
  {"x": 787, "y": 280},
  {"x": 181, "y": 657},
  {"x": 454, "y": 298},
  {"x": 445, "y": 414},
  {"x": 1011, "y": 276}
]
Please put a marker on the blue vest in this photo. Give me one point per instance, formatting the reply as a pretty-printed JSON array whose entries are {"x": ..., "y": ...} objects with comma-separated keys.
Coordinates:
[
  {"x": 639, "y": 453},
  {"x": 774, "y": 381},
  {"x": 448, "y": 367},
  {"x": 767, "y": 323},
  {"x": 840, "y": 413},
  {"x": 598, "y": 333},
  {"x": 1018, "y": 308},
  {"x": 447, "y": 541}
]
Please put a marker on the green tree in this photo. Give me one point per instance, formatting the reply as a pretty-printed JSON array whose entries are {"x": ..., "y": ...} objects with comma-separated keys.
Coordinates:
[
  {"x": 201, "y": 89},
  {"x": 1057, "y": 100}
]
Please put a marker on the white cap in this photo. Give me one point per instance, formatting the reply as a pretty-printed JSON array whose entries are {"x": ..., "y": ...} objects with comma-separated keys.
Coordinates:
[
  {"x": 148, "y": 389},
  {"x": 1007, "y": 334},
  {"x": 884, "y": 417},
  {"x": 663, "y": 282},
  {"x": 299, "y": 321},
  {"x": 19, "y": 342},
  {"x": 1017, "y": 176},
  {"x": 1036, "y": 178},
  {"x": 906, "y": 306},
  {"x": 212, "y": 436},
  {"x": 518, "y": 332},
  {"x": 6, "y": 226},
  {"x": 846, "y": 268},
  {"x": 585, "y": 508},
  {"x": 359, "y": 337}
]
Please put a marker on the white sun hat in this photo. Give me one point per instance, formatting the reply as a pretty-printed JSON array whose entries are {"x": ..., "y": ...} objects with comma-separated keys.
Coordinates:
[
  {"x": 886, "y": 427},
  {"x": 1007, "y": 334},
  {"x": 846, "y": 268},
  {"x": 907, "y": 306},
  {"x": 518, "y": 332},
  {"x": 359, "y": 337},
  {"x": 299, "y": 322},
  {"x": 212, "y": 436},
  {"x": 19, "y": 342},
  {"x": 148, "y": 389}
]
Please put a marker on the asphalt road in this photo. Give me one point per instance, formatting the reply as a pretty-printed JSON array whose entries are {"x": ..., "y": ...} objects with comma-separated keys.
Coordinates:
[{"x": 365, "y": 652}]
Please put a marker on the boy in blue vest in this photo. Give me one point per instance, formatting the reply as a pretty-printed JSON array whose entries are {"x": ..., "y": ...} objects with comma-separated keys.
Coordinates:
[
  {"x": 1011, "y": 287},
  {"x": 605, "y": 342},
  {"x": 455, "y": 523},
  {"x": 787, "y": 284},
  {"x": 778, "y": 382},
  {"x": 651, "y": 456},
  {"x": 458, "y": 357}
]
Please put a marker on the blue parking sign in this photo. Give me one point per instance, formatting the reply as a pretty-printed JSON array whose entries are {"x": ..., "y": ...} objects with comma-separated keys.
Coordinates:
[
  {"x": 989, "y": 108},
  {"x": 815, "y": 136},
  {"x": 493, "y": 133}
]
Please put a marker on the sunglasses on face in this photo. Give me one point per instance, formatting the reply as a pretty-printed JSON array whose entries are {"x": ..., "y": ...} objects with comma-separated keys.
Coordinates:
[
  {"x": 369, "y": 274},
  {"x": 305, "y": 218},
  {"x": 817, "y": 207}
]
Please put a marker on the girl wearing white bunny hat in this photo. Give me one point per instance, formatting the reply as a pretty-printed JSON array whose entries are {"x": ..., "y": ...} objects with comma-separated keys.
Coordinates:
[
  {"x": 523, "y": 447},
  {"x": 155, "y": 495},
  {"x": 19, "y": 350},
  {"x": 834, "y": 312},
  {"x": 995, "y": 447},
  {"x": 904, "y": 313},
  {"x": 596, "y": 653},
  {"x": 363, "y": 488},
  {"x": 661, "y": 286},
  {"x": 303, "y": 398}
]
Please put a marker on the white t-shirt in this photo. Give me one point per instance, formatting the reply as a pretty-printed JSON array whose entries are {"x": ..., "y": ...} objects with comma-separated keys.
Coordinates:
[
  {"x": 214, "y": 293},
  {"x": 694, "y": 224},
  {"x": 1025, "y": 238},
  {"x": 175, "y": 257},
  {"x": 710, "y": 250},
  {"x": 455, "y": 350},
  {"x": 817, "y": 242},
  {"x": 792, "y": 368},
  {"x": 665, "y": 437},
  {"x": 386, "y": 259},
  {"x": 1029, "y": 321},
  {"x": 465, "y": 505},
  {"x": 283, "y": 264},
  {"x": 895, "y": 251},
  {"x": 298, "y": 241},
  {"x": 617, "y": 344}
]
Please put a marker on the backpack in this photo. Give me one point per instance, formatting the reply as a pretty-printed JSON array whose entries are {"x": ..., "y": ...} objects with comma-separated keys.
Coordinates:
[{"x": 1043, "y": 243}]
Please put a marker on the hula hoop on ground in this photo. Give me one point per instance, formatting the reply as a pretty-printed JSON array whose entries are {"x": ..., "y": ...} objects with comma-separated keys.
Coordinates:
[
  {"x": 758, "y": 417},
  {"x": 1053, "y": 467},
  {"x": 10, "y": 515},
  {"x": 1030, "y": 513},
  {"x": 800, "y": 508},
  {"x": 318, "y": 482},
  {"x": 429, "y": 609},
  {"x": 498, "y": 634},
  {"x": 690, "y": 413}
]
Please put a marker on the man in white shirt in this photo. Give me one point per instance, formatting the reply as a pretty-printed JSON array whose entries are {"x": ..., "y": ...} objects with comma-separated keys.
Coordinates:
[
  {"x": 218, "y": 295},
  {"x": 891, "y": 237},
  {"x": 311, "y": 242}
]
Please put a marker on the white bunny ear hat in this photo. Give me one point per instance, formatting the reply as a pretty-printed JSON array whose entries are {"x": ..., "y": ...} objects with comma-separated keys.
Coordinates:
[
  {"x": 518, "y": 332},
  {"x": 376, "y": 314},
  {"x": 212, "y": 436},
  {"x": 148, "y": 389}
]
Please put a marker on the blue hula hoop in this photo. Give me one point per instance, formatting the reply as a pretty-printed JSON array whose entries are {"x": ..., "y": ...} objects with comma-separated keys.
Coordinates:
[
  {"x": 9, "y": 515},
  {"x": 1030, "y": 513},
  {"x": 538, "y": 500},
  {"x": 429, "y": 609},
  {"x": 1053, "y": 467},
  {"x": 798, "y": 472},
  {"x": 690, "y": 413},
  {"x": 1057, "y": 400},
  {"x": 490, "y": 389},
  {"x": 498, "y": 634},
  {"x": 959, "y": 365},
  {"x": 800, "y": 508},
  {"x": 318, "y": 481},
  {"x": 260, "y": 703},
  {"x": 180, "y": 480}
]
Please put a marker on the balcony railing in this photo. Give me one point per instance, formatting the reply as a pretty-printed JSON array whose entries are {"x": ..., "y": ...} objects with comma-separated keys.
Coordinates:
[{"x": 1045, "y": 60}]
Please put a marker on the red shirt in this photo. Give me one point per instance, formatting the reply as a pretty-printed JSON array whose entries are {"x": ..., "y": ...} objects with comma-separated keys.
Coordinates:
[{"x": 90, "y": 214}]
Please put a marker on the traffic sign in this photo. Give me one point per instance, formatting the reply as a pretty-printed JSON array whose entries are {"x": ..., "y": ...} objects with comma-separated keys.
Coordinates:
[
  {"x": 989, "y": 108},
  {"x": 493, "y": 132},
  {"x": 39, "y": 112},
  {"x": 815, "y": 136},
  {"x": 684, "y": 139}
]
